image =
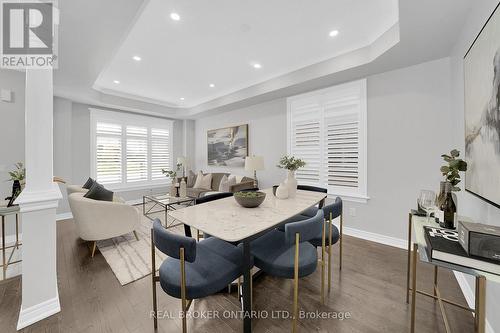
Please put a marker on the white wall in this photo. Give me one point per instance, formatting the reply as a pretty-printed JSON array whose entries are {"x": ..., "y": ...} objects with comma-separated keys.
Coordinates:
[
  {"x": 11, "y": 133},
  {"x": 72, "y": 148},
  {"x": 470, "y": 205},
  {"x": 266, "y": 137},
  {"x": 408, "y": 129}
]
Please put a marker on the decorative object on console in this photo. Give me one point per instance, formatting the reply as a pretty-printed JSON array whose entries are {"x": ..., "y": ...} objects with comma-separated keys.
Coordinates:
[
  {"x": 17, "y": 177},
  {"x": 282, "y": 191},
  {"x": 250, "y": 199},
  {"x": 254, "y": 163},
  {"x": 227, "y": 146},
  {"x": 447, "y": 200},
  {"x": 482, "y": 105},
  {"x": 480, "y": 240},
  {"x": 451, "y": 172},
  {"x": 291, "y": 164}
]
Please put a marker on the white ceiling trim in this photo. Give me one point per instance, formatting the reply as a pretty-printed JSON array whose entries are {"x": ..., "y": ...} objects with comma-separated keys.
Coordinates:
[{"x": 340, "y": 63}]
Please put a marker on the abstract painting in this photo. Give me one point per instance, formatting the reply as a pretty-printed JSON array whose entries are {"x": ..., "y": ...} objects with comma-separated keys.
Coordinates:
[
  {"x": 228, "y": 146},
  {"x": 482, "y": 112}
]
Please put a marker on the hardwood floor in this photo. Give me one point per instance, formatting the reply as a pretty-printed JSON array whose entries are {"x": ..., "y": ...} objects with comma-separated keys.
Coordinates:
[{"x": 370, "y": 288}]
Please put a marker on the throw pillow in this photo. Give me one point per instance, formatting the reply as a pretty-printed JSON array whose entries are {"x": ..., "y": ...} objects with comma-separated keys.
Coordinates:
[
  {"x": 191, "y": 178},
  {"x": 203, "y": 181},
  {"x": 98, "y": 192},
  {"x": 88, "y": 184},
  {"x": 226, "y": 183}
]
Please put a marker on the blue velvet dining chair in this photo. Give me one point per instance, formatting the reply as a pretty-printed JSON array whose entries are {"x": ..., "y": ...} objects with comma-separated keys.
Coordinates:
[
  {"x": 289, "y": 254},
  {"x": 193, "y": 269}
]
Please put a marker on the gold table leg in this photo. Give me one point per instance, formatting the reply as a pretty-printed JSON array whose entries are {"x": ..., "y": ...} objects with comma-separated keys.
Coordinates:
[
  {"x": 408, "y": 259},
  {"x": 414, "y": 287},
  {"x": 479, "y": 321},
  {"x": 17, "y": 231},
  {"x": 435, "y": 280},
  {"x": 4, "y": 268}
]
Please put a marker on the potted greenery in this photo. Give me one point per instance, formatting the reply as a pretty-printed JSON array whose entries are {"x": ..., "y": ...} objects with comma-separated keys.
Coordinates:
[
  {"x": 291, "y": 164},
  {"x": 447, "y": 200},
  {"x": 173, "y": 177},
  {"x": 18, "y": 177}
]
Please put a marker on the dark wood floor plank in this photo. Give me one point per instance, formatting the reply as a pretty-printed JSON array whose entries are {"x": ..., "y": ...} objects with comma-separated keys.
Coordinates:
[{"x": 370, "y": 287}]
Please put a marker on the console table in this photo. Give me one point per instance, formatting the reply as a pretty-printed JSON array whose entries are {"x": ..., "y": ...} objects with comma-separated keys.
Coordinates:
[
  {"x": 419, "y": 246},
  {"x": 4, "y": 212}
]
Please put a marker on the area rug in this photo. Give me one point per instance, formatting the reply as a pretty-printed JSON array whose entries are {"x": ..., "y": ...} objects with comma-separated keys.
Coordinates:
[{"x": 129, "y": 258}]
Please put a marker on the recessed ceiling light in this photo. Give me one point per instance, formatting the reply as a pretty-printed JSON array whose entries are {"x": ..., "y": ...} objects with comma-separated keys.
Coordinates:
[
  {"x": 136, "y": 58},
  {"x": 257, "y": 66},
  {"x": 182, "y": 98},
  {"x": 116, "y": 82},
  {"x": 333, "y": 33},
  {"x": 211, "y": 85},
  {"x": 175, "y": 16}
]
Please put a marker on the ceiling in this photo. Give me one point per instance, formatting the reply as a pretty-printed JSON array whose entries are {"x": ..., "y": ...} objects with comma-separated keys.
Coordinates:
[
  {"x": 218, "y": 42},
  {"x": 290, "y": 39}
]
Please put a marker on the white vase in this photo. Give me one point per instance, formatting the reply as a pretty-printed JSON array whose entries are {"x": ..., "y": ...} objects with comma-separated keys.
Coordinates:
[
  {"x": 173, "y": 190},
  {"x": 282, "y": 191},
  {"x": 182, "y": 189},
  {"x": 291, "y": 183}
]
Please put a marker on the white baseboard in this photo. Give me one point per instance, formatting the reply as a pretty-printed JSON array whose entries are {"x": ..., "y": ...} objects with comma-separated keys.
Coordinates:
[
  {"x": 64, "y": 216},
  {"x": 38, "y": 312},
  {"x": 377, "y": 238},
  {"x": 469, "y": 295}
]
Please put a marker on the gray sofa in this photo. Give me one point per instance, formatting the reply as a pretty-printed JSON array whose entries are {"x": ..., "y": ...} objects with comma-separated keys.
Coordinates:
[{"x": 245, "y": 184}]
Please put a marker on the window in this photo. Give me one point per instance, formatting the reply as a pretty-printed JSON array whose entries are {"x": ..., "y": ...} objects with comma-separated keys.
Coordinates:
[
  {"x": 327, "y": 129},
  {"x": 129, "y": 150}
]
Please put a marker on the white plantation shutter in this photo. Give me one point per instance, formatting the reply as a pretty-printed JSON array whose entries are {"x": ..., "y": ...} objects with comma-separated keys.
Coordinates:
[
  {"x": 130, "y": 150},
  {"x": 137, "y": 154},
  {"x": 306, "y": 139},
  {"x": 160, "y": 152},
  {"x": 108, "y": 153},
  {"x": 327, "y": 129}
]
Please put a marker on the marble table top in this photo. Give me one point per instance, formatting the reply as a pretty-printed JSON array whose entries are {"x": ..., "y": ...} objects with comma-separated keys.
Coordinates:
[{"x": 227, "y": 220}]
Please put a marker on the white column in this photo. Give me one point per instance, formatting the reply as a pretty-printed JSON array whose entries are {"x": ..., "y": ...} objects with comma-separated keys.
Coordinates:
[{"x": 38, "y": 203}]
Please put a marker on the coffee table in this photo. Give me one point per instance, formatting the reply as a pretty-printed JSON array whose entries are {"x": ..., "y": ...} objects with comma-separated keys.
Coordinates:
[{"x": 163, "y": 203}]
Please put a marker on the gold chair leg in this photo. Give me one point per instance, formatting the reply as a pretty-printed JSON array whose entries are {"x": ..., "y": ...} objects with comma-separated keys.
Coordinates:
[
  {"x": 251, "y": 290},
  {"x": 330, "y": 254},
  {"x": 153, "y": 275},
  {"x": 435, "y": 279},
  {"x": 183, "y": 291},
  {"x": 296, "y": 284},
  {"x": 341, "y": 236},
  {"x": 94, "y": 243},
  {"x": 323, "y": 241},
  {"x": 136, "y": 236},
  {"x": 480, "y": 305},
  {"x": 239, "y": 289}
]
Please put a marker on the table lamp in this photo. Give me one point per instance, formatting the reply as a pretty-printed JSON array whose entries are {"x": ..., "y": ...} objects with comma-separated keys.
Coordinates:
[{"x": 254, "y": 163}]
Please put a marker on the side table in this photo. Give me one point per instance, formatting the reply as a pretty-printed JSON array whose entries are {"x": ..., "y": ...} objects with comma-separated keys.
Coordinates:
[{"x": 4, "y": 212}]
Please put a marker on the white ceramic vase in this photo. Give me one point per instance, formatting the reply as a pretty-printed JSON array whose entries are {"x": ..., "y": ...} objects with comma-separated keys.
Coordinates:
[
  {"x": 182, "y": 188},
  {"x": 291, "y": 183},
  {"x": 173, "y": 190},
  {"x": 282, "y": 191}
]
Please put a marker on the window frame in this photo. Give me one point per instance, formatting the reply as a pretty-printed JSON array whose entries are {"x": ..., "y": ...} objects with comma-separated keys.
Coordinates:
[
  {"x": 127, "y": 119},
  {"x": 326, "y": 96}
]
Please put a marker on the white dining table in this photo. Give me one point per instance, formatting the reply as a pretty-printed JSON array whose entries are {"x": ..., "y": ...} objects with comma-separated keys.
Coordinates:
[{"x": 227, "y": 220}]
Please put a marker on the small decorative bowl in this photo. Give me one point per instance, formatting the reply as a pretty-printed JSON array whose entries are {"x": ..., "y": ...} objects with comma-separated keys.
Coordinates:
[{"x": 250, "y": 199}]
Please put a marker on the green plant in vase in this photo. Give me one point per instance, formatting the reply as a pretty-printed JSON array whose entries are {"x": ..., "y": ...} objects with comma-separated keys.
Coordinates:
[
  {"x": 447, "y": 201},
  {"x": 292, "y": 164}
]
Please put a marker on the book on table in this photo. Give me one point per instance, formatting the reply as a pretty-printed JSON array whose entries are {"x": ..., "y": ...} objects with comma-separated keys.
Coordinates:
[{"x": 443, "y": 245}]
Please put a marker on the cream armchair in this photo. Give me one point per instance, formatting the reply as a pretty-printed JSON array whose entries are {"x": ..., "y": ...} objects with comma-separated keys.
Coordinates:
[{"x": 97, "y": 220}]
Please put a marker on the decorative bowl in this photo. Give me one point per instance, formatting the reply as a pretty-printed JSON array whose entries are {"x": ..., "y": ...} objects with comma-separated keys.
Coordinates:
[{"x": 250, "y": 199}]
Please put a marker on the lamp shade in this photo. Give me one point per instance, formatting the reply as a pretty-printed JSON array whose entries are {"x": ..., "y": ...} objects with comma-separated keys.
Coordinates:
[{"x": 253, "y": 163}]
